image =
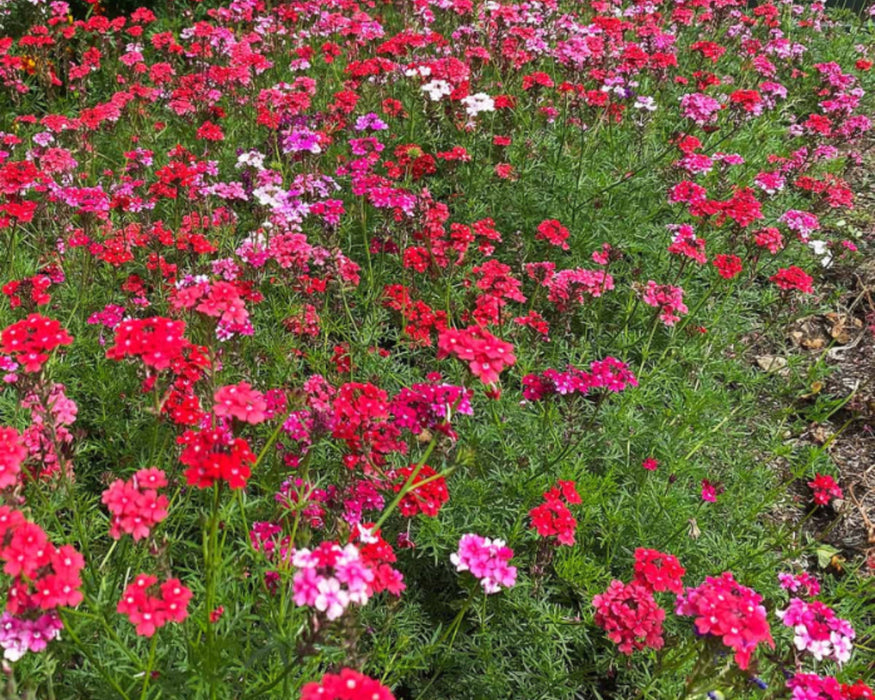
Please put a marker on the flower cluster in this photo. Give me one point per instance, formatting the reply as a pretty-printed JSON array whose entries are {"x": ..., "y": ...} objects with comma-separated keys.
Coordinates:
[
  {"x": 730, "y": 612},
  {"x": 240, "y": 401},
  {"x": 431, "y": 406},
  {"x": 825, "y": 489},
  {"x": 51, "y": 414},
  {"x": 214, "y": 454},
  {"x": 554, "y": 233},
  {"x": 630, "y": 616},
  {"x": 220, "y": 300},
  {"x": 790, "y": 278},
  {"x": 486, "y": 355},
  {"x": 426, "y": 493},
  {"x": 818, "y": 630},
  {"x": 149, "y": 606},
  {"x": 330, "y": 578},
  {"x": 668, "y": 299},
  {"x": 804, "y": 582},
  {"x": 45, "y": 577},
  {"x": 135, "y": 504},
  {"x": 346, "y": 685},
  {"x": 157, "y": 341},
  {"x": 487, "y": 560},
  {"x": 609, "y": 374},
  {"x": 553, "y": 518},
  {"x": 30, "y": 341},
  {"x": 810, "y": 686},
  {"x": 19, "y": 635},
  {"x": 658, "y": 571},
  {"x": 12, "y": 454}
]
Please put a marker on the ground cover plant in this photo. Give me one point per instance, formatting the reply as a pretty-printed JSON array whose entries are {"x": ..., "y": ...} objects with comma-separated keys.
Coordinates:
[{"x": 430, "y": 349}]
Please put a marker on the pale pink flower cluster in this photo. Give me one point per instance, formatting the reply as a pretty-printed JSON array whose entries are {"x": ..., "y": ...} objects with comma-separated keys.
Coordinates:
[
  {"x": 818, "y": 630},
  {"x": 49, "y": 427},
  {"x": 701, "y": 108},
  {"x": 803, "y": 223},
  {"x": 19, "y": 635},
  {"x": 487, "y": 560},
  {"x": 330, "y": 578}
]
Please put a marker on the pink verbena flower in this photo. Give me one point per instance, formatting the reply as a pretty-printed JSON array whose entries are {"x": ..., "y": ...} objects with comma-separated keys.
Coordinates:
[
  {"x": 818, "y": 630},
  {"x": 804, "y": 582},
  {"x": 240, "y": 401},
  {"x": 330, "y": 578},
  {"x": 487, "y": 560},
  {"x": 729, "y": 611},
  {"x": 668, "y": 299}
]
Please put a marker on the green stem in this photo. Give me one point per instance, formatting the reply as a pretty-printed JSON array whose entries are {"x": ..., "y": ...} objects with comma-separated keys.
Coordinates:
[
  {"x": 148, "y": 675},
  {"x": 408, "y": 485}
]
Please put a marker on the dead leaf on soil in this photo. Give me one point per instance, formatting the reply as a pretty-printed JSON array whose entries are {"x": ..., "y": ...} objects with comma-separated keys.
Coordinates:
[
  {"x": 771, "y": 363},
  {"x": 843, "y": 328},
  {"x": 809, "y": 333},
  {"x": 819, "y": 435},
  {"x": 816, "y": 388}
]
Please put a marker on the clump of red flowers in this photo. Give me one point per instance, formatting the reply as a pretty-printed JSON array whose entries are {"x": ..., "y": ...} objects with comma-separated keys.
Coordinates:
[
  {"x": 150, "y": 607},
  {"x": 630, "y": 616},
  {"x": 156, "y": 341},
  {"x": 728, "y": 266},
  {"x": 554, "y": 233},
  {"x": 213, "y": 455},
  {"x": 553, "y": 518},
  {"x": 347, "y": 685},
  {"x": 135, "y": 504},
  {"x": 30, "y": 341},
  {"x": 825, "y": 489},
  {"x": 790, "y": 278},
  {"x": 486, "y": 355},
  {"x": 426, "y": 494},
  {"x": 730, "y": 612},
  {"x": 12, "y": 454},
  {"x": 658, "y": 571}
]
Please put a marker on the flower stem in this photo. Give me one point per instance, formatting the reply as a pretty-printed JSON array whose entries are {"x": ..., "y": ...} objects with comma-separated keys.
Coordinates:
[{"x": 148, "y": 675}]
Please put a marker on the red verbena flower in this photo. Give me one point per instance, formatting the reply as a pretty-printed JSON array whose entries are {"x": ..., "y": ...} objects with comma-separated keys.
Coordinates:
[
  {"x": 792, "y": 277},
  {"x": 554, "y": 233},
  {"x": 728, "y": 266},
  {"x": 150, "y": 607},
  {"x": 214, "y": 454},
  {"x": 157, "y": 341},
  {"x": 657, "y": 571},
  {"x": 426, "y": 498},
  {"x": 486, "y": 355},
  {"x": 825, "y": 489},
  {"x": 347, "y": 685},
  {"x": 30, "y": 341},
  {"x": 630, "y": 616}
]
